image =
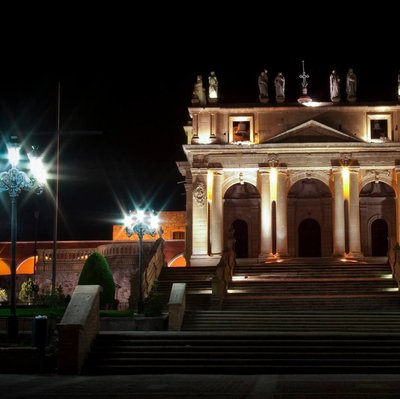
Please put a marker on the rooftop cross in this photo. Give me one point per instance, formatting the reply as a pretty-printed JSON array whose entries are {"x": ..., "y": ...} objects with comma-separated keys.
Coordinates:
[{"x": 304, "y": 76}]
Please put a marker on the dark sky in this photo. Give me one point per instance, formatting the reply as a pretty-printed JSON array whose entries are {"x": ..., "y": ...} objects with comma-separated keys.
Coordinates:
[{"x": 130, "y": 75}]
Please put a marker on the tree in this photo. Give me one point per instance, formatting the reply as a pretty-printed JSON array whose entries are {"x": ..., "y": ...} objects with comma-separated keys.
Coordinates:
[
  {"x": 96, "y": 271},
  {"x": 29, "y": 291}
]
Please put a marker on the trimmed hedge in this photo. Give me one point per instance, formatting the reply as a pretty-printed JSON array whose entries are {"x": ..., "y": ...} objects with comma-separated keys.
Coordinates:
[{"x": 96, "y": 271}]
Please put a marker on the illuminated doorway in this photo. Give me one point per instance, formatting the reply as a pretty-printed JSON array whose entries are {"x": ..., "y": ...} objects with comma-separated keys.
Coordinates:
[
  {"x": 309, "y": 238},
  {"x": 241, "y": 238},
  {"x": 379, "y": 238},
  {"x": 242, "y": 213}
]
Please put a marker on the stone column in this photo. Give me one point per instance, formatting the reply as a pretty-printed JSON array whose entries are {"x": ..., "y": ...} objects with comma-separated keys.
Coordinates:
[
  {"x": 338, "y": 214},
  {"x": 189, "y": 217},
  {"x": 281, "y": 214},
  {"x": 397, "y": 191},
  {"x": 266, "y": 215},
  {"x": 216, "y": 214},
  {"x": 195, "y": 131},
  {"x": 200, "y": 214},
  {"x": 354, "y": 214}
]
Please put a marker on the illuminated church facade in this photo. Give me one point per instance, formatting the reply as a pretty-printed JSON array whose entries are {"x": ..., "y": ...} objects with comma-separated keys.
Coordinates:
[{"x": 292, "y": 180}]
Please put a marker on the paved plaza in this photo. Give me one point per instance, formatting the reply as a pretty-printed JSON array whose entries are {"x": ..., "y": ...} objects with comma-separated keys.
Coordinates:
[{"x": 202, "y": 386}]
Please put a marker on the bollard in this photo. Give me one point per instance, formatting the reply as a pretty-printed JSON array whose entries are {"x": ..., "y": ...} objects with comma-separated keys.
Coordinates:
[{"x": 40, "y": 332}]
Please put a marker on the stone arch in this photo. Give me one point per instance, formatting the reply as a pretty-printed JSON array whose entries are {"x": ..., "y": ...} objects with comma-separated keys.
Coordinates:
[
  {"x": 317, "y": 175},
  {"x": 377, "y": 201},
  {"x": 178, "y": 260},
  {"x": 27, "y": 266},
  {"x": 370, "y": 223},
  {"x": 242, "y": 202},
  {"x": 380, "y": 178},
  {"x": 310, "y": 198},
  {"x": 234, "y": 179}
]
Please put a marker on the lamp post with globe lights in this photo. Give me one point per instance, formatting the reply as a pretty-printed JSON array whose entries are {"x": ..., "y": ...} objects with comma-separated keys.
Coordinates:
[
  {"x": 141, "y": 222},
  {"x": 14, "y": 181}
]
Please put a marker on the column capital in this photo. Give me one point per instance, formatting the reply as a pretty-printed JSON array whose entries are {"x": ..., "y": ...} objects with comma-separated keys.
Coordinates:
[
  {"x": 217, "y": 171},
  {"x": 264, "y": 170},
  {"x": 397, "y": 169},
  {"x": 354, "y": 169},
  {"x": 337, "y": 169},
  {"x": 198, "y": 171},
  {"x": 282, "y": 169}
]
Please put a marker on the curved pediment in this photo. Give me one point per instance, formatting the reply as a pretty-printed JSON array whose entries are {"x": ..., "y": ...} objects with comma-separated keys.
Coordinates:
[{"x": 312, "y": 132}]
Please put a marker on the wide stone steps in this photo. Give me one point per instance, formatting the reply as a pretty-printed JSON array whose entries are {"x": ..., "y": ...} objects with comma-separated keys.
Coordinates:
[
  {"x": 313, "y": 285},
  {"x": 300, "y": 322},
  {"x": 328, "y": 303},
  {"x": 130, "y": 353}
]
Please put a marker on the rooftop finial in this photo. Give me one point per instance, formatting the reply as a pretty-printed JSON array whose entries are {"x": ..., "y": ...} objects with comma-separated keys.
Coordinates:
[{"x": 304, "y": 76}]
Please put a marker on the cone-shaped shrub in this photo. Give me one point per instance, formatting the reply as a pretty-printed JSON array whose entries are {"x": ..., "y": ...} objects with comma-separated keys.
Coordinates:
[{"x": 97, "y": 272}]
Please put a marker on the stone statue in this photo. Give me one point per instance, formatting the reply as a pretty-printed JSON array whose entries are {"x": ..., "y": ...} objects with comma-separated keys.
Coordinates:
[
  {"x": 199, "y": 92},
  {"x": 280, "y": 88},
  {"x": 334, "y": 87},
  {"x": 398, "y": 86},
  {"x": 351, "y": 85},
  {"x": 212, "y": 87},
  {"x": 263, "y": 86}
]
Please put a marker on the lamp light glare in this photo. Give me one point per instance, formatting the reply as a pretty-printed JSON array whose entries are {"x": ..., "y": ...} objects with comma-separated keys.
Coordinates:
[
  {"x": 38, "y": 169},
  {"x": 13, "y": 155},
  {"x": 140, "y": 215},
  {"x": 154, "y": 221},
  {"x": 127, "y": 220}
]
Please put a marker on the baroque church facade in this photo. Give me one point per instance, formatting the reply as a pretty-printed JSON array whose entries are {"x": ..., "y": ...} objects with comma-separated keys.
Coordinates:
[{"x": 290, "y": 180}]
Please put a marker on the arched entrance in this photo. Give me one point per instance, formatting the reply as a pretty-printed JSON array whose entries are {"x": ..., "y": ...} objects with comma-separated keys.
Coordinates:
[
  {"x": 242, "y": 212},
  {"x": 241, "y": 238},
  {"x": 309, "y": 238},
  {"x": 310, "y": 219},
  {"x": 379, "y": 238},
  {"x": 377, "y": 218}
]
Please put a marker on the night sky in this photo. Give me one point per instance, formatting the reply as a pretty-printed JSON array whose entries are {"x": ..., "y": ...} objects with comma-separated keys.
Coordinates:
[{"x": 125, "y": 89}]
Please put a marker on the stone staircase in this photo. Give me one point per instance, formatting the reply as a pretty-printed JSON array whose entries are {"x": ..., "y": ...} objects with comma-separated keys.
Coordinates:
[
  {"x": 246, "y": 353},
  {"x": 198, "y": 284},
  {"x": 311, "y": 316},
  {"x": 307, "y": 296}
]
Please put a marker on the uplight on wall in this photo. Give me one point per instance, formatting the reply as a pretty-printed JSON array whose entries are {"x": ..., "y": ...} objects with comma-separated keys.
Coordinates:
[
  {"x": 273, "y": 181},
  {"x": 346, "y": 182}
]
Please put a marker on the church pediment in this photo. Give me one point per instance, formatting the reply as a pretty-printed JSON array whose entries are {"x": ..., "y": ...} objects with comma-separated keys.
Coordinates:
[{"x": 312, "y": 132}]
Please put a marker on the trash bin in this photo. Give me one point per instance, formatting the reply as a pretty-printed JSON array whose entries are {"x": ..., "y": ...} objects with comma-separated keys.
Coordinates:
[{"x": 40, "y": 332}]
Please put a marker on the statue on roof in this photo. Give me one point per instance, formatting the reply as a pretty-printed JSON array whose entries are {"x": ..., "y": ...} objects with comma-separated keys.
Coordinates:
[
  {"x": 199, "y": 92},
  {"x": 280, "y": 88},
  {"x": 263, "y": 86},
  {"x": 212, "y": 87},
  {"x": 398, "y": 86},
  {"x": 351, "y": 86},
  {"x": 334, "y": 81}
]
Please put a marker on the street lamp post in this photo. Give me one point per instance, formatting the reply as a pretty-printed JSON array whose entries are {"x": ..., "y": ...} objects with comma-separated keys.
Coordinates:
[
  {"x": 14, "y": 181},
  {"x": 140, "y": 222}
]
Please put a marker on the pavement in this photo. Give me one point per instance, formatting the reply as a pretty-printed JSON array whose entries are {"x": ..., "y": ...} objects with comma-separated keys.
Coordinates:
[{"x": 307, "y": 386}]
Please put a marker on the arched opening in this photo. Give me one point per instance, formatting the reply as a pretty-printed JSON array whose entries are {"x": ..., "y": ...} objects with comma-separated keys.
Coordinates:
[
  {"x": 379, "y": 238},
  {"x": 310, "y": 219},
  {"x": 242, "y": 212},
  {"x": 177, "y": 261},
  {"x": 241, "y": 236},
  {"x": 309, "y": 238},
  {"x": 377, "y": 218}
]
